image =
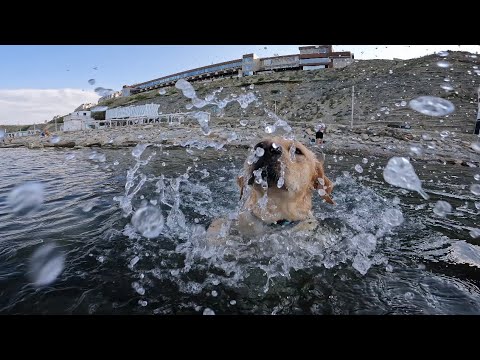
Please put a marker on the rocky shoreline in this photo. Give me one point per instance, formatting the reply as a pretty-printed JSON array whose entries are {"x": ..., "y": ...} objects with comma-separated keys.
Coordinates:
[{"x": 381, "y": 141}]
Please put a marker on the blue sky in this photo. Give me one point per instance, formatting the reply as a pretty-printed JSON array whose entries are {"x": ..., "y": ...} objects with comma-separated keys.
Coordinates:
[{"x": 38, "y": 82}]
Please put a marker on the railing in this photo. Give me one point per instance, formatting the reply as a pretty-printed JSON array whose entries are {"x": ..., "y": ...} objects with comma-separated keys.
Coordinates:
[
  {"x": 170, "y": 119},
  {"x": 15, "y": 134}
]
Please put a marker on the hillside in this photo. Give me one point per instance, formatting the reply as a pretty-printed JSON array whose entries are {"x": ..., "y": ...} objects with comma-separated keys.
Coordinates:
[{"x": 380, "y": 87}]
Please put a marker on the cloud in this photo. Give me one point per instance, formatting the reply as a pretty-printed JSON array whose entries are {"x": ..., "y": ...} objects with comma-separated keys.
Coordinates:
[{"x": 28, "y": 106}]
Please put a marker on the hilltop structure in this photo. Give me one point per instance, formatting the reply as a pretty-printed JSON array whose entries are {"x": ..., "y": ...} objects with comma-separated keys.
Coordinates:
[{"x": 308, "y": 58}]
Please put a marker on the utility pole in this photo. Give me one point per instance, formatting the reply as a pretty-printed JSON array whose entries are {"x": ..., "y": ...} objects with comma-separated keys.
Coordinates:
[
  {"x": 353, "y": 97},
  {"x": 477, "y": 125}
]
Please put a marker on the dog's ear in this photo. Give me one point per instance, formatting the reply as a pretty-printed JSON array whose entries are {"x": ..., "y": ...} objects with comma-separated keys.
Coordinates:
[
  {"x": 321, "y": 181},
  {"x": 241, "y": 184}
]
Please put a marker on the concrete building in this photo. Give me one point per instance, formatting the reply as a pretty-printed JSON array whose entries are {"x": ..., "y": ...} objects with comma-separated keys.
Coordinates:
[
  {"x": 78, "y": 120},
  {"x": 309, "y": 58}
]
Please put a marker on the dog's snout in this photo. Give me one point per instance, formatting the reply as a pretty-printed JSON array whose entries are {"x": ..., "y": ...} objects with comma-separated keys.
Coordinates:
[{"x": 270, "y": 148}]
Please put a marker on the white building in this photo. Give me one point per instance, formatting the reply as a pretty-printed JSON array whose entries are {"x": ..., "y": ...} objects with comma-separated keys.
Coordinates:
[
  {"x": 78, "y": 120},
  {"x": 126, "y": 112}
]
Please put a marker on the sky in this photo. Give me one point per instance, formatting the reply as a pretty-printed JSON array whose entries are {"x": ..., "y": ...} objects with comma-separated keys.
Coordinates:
[{"x": 38, "y": 82}]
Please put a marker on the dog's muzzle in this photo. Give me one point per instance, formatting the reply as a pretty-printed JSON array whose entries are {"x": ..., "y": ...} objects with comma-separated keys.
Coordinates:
[{"x": 268, "y": 162}]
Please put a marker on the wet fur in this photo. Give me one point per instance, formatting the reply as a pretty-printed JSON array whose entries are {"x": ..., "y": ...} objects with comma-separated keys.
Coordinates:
[{"x": 302, "y": 175}]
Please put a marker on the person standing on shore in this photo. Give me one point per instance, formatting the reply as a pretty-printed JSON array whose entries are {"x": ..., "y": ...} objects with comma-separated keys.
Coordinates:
[{"x": 319, "y": 131}]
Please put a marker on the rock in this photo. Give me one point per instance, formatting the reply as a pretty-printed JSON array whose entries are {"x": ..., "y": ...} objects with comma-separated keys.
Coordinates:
[
  {"x": 65, "y": 144},
  {"x": 364, "y": 137}
]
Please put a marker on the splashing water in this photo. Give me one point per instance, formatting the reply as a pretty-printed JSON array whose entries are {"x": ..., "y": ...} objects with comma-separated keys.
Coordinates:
[
  {"x": 442, "y": 208},
  {"x": 148, "y": 221},
  {"x": 393, "y": 217},
  {"x": 26, "y": 199},
  {"x": 475, "y": 146},
  {"x": 55, "y": 139},
  {"x": 208, "y": 311},
  {"x": 187, "y": 88},
  {"x": 432, "y": 106},
  {"x": 259, "y": 152},
  {"x": 399, "y": 172},
  {"x": 358, "y": 168},
  {"x": 443, "y": 64},
  {"x": 444, "y": 134},
  {"x": 203, "y": 119},
  {"x": 46, "y": 263},
  {"x": 139, "y": 149},
  {"x": 97, "y": 157},
  {"x": 269, "y": 129},
  {"x": 126, "y": 200},
  {"x": 103, "y": 92},
  {"x": 475, "y": 189}
]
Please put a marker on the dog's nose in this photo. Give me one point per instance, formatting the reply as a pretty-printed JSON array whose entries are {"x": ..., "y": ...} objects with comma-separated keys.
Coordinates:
[{"x": 270, "y": 148}]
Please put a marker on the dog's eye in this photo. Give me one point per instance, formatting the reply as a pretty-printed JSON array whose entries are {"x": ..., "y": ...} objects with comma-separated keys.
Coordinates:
[{"x": 298, "y": 151}]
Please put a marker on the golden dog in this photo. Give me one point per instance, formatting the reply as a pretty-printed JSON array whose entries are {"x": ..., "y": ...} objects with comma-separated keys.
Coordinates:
[{"x": 276, "y": 188}]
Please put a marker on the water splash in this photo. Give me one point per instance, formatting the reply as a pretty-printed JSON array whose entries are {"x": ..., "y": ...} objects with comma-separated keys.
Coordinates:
[
  {"x": 46, "y": 264},
  {"x": 97, "y": 157},
  {"x": 203, "y": 119},
  {"x": 442, "y": 208},
  {"x": 103, "y": 91},
  {"x": 432, "y": 106},
  {"x": 475, "y": 146},
  {"x": 186, "y": 88},
  {"x": 475, "y": 189},
  {"x": 443, "y": 64},
  {"x": 399, "y": 172},
  {"x": 26, "y": 199},
  {"x": 148, "y": 221},
  {"x": 208, "y": 311},
  {"x": 446, "y": 87},
  {"x": 55, "y": 139},
  {"x": 125, "y": 201},
  {"x": 139, "y": 149}
]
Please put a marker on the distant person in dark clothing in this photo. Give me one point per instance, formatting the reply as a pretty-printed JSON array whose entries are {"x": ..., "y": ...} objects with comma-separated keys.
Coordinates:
[{"x": 319, "y": 134}]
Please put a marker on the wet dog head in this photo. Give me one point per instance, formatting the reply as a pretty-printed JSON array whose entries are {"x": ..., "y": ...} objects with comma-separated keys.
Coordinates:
[{"x": 286, "y": 172}]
